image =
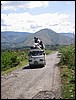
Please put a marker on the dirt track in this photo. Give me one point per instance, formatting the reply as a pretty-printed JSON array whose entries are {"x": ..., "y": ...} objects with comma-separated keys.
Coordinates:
[{"x": 35, "y": 83}]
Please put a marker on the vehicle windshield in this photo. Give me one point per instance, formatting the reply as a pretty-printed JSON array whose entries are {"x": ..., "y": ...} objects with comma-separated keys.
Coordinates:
[{"x": 36, "y": 53}]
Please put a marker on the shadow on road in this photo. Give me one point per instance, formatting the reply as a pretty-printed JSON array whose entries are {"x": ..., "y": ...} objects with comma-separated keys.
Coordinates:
[{"x": 32, "y": 67}]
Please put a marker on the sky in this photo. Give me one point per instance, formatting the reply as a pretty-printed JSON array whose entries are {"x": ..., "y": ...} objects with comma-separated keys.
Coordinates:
[{"x": 32, "y": 16}]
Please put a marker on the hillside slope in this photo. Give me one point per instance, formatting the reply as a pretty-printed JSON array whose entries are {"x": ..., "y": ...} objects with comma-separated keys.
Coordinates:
[
  {"x": 21, "y": 39},
  {"x": 49, "y": 37}
]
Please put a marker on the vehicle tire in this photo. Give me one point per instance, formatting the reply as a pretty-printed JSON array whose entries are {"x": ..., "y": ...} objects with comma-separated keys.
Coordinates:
[
  {"x": 43, "y": 65},
  {"x": 30, "y": 66}
]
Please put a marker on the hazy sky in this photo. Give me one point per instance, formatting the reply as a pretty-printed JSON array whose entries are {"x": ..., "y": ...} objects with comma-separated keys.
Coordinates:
[{"x": 31, "y": 16}]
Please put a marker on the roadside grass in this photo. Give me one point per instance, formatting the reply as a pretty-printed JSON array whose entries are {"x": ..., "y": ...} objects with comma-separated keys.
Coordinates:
[
  {"x": 24, "y": 62},
  {"x": 49, "y": 51},
  {"x": 68, "y": 82}
]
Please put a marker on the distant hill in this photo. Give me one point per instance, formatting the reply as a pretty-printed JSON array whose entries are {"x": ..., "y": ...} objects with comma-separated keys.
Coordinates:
[
  {"x": 72, "y": 35},
  {"x": 11, "y": 39},
  {"x": 14, "y": 37},
  {"x": 50, "y": 37}
]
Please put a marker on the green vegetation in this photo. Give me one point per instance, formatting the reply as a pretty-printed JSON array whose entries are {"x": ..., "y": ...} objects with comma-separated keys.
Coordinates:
[
  {"x": 15, "y": 58},
  {"x": 23, "y": 63},
  {"x": 48, "y": 51},
  {"x": 12, "y": 59},
  {"x": 68, "y": 56},
  {"x": 51, "y": 49},
  {"x": 67, "y": 63},
  {"x": 68, "y": 83}
]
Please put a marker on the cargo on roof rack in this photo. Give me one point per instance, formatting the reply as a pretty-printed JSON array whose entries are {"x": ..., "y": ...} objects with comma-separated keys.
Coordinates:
[{"x": 36, "y": 55}]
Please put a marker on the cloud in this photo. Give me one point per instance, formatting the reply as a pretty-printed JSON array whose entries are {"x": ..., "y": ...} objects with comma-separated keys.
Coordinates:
[
  {"x": 53, "y": 24},
  {"x": 32, "y": 23},
  {"x": 34, "y": 26},
  {"x": 33, "y": 4},
  {"x": 13, "y": 5}
]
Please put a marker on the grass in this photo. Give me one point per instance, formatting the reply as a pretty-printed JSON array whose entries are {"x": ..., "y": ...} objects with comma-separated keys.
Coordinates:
[
  {"x": 25, "y": 62},
  {"x": 49, "y": 51},
  {"x": 68, "y": 83}
]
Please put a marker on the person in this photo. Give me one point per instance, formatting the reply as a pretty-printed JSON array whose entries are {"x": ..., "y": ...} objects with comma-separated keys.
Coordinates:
[
  {"x": 35, "y": 40},
  {"x": 38, "y": 40},
  {"x": 42, "y": 45},
  {"x": 36, "y": 44}
]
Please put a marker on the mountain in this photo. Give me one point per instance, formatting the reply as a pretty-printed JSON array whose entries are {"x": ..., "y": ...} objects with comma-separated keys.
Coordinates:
[
  {"x": 14, "y": 37},
  {"x": 49, "y": 37},
  {"x": 10, "y": 39},
  {"x": 21, "y": 39},
  {"x": 72, "y": 35}
]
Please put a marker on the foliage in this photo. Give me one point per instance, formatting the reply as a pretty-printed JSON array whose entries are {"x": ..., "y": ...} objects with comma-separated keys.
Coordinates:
[
  {"x": 67, "y": 69},
  {"x": 48, "y": 51},
  {"x": 68, "y": 56},
  {"x": 11, "y": 58},
  {"x": 68, "y": 83},
  {"x": 53, "y": 47}
]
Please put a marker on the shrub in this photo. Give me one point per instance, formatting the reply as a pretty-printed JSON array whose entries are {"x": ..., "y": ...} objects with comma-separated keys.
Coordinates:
[
  {"x": 68, "y": 56},
  {"x": 12, "y": 58}
]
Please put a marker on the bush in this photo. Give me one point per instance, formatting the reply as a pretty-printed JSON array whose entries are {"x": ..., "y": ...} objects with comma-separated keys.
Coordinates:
[
  {"x": 8, "y": 58},
  {"x": 12, "y": 58},
  {"x": 68, "y": 56},
  {"x": 67, "y": 71}
]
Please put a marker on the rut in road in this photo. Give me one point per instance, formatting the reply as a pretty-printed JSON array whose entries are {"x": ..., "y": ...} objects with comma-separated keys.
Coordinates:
[{"x": 27, "y": 83}]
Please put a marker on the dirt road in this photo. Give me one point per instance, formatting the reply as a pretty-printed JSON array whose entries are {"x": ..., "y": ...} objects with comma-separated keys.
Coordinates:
[{"x": 36, "y": 83}]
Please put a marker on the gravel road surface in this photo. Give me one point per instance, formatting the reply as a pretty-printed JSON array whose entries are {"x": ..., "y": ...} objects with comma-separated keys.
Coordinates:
[{"x": 33, "y": 83}]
